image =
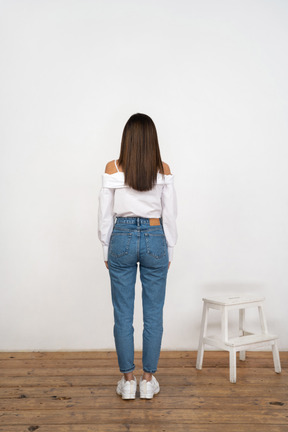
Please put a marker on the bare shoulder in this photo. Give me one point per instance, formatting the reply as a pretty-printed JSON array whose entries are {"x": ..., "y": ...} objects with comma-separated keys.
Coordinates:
[
  {"x": 166, "y": 168},
  {"x": 110, "y": 167}
]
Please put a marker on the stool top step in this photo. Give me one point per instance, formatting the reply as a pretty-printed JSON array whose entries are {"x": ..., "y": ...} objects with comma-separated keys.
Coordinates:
[{"x": 233, "y": 299}]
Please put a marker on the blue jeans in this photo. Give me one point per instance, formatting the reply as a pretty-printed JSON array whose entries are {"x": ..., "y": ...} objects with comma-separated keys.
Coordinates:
[{"x": 133, "y": 239}]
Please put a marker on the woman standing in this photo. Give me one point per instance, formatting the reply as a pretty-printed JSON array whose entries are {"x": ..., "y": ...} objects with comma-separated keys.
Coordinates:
[{"x": 137, "y": 223}]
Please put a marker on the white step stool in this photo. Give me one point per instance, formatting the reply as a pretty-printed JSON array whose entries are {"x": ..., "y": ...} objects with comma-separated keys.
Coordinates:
[{"x": 246, "y": 340}]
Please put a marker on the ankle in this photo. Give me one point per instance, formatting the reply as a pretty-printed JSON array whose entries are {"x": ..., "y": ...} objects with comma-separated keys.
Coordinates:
[
  {"x": 147, "y": 376},
  {"x": 129, "y": 376}
]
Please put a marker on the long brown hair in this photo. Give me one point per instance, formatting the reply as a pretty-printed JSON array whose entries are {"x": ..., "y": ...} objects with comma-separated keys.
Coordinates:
[{"x": 140, "y": 157}]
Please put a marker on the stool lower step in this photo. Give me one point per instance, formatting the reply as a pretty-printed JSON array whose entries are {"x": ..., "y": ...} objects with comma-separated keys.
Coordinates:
[{"x": 250, "y": 339}]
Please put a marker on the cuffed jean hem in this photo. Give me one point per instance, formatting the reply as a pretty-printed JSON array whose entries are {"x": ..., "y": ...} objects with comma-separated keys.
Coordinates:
[
  {"x": 124, "y": 371},
  {"x": 151, "y": 371}
]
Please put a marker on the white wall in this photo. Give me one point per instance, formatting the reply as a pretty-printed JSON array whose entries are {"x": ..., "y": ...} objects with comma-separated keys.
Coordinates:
[{"x": 213, "y": 76}]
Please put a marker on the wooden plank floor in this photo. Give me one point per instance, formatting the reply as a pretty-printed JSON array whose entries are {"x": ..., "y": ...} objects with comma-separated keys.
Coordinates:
[{"x": 76, "y": 392}]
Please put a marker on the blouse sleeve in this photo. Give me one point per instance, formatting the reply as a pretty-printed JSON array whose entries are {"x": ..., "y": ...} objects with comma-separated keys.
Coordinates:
[
  {"x": 169, "y": 214},
  {"x": 105, "y": 217}
]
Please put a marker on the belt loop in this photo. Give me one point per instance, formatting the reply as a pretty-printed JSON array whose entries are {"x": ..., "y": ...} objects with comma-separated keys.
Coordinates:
[{"x": 138, "y": 221}]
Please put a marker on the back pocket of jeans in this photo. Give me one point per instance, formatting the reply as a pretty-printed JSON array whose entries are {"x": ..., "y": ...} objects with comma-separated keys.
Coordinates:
[
  {"x": 119, "y": 244},
  {"x": 156, "y": 245}
]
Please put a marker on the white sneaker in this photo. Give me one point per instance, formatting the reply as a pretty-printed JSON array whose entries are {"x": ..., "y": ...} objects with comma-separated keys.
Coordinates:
[
  {"x": 148, "y": 388},
  {"x": 127, "y": 388}
]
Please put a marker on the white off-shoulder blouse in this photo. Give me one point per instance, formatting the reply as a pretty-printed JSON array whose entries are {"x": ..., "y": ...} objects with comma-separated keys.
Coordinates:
[{"x": 117, "y": 199}]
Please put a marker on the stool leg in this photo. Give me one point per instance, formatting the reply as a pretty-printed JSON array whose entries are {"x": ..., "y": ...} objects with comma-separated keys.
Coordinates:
[
  {"x": 262, "y": 319},
  {"x": 241, "y": 331},
  {"x": 276, "y": 357},
  {"x": 275, "y": 350},
  {"x": 232, "y": 364},
  {"x": 202, "y": 334},
  {"x": 232, "y": 351},
  {"x": 224, "y": 323}
]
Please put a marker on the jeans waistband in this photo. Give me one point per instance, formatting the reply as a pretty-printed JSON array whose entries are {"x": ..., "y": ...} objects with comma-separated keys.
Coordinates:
[{"x": 137, "y": 220}]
